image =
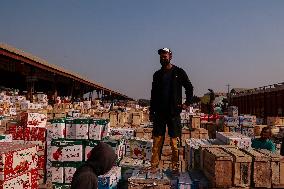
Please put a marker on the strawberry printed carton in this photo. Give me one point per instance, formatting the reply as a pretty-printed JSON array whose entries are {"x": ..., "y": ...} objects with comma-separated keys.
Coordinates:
[
  {"x": 98, "y": 129},
  {"x": 126, "y": 133},
  {"x": 82, "y": 128},
  {"x": 27, "y": 180},
  {"x": 16, "y": 159},
  {"x": 69, "y": 170},
  {"x": 58, "y": 128},
  {"x": 90, "y": 144},
  {"x": 139, "y": 148},
  {"x": 57, "y": 173},
  {"x": 67, "y": 151},
  {"x": 70, "y": 129}
]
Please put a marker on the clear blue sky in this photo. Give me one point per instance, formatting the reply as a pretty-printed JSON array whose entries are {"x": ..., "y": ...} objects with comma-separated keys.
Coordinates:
[{"x": 115, "y": 42}]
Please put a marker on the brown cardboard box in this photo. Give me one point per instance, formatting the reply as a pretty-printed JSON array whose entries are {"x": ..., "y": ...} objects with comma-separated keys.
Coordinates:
[
  {"x": 218, "y": 167},
  {"x": 195, "y": 122},
  {"x": 273, "y": 121},
  {"x": 137, "y": 118},
  {"x": 199, "y": 133},
  {"x": 113, "y": 119}
]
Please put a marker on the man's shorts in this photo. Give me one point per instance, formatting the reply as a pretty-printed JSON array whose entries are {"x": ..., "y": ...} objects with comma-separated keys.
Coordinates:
[{"x": 161, "y": 121}]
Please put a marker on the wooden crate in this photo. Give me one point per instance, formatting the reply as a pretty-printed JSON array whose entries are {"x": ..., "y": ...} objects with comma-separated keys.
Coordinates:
[
  {"x": 218, "y": 167},
  {"x": 261, "y": 172},
  {"x": 241, "y": 167},
  {"x": 141, "y": 182},
  {"x": 277, "y": 168}
]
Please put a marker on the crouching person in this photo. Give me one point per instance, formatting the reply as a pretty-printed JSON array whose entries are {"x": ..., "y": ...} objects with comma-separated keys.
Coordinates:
[{"x": 101, "y": 161}]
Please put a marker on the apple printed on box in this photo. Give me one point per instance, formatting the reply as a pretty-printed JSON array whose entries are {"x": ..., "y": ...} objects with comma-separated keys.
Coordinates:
[
  {"x": 139, "y": 148},
  {"x": 70, "y": 129},
  {"x": 57, "y": 173},
  {"x": 67, "y": 151},
  {"x": 69, "y": 170},
  {"x": 82, "y": 128},
  {"x": 16, "y": 159},
  {"x": 89, "y": 146},
  {"x": 27, "y": 180}
]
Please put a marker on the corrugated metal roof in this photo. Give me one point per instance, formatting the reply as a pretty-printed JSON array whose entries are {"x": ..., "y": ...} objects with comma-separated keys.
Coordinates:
[{"x": 55, "y": 67}]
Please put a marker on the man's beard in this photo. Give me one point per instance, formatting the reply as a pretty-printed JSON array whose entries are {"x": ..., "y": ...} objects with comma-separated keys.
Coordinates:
[{"x": 164, "y": 63}]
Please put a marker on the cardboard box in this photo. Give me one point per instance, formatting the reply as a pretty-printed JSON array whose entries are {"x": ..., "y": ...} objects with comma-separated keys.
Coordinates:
[
  {"x": 69, "y": 170},
  {"x": 67, "y": 151},
  {"x": 58, "y": 128},
  {"x": 139, "y": 149},
  {"x": 25, "y": 180},
  {"x": 90, "y": 144},
  {"x": 110, "y": 179},
  {"x": 6, "y": 137},
  {"x": 16, "y": 159},
  {"x": 98, "y": 129},
  {"x": 236, "y": 139},
  {"x": 274, "y": 121},
  {"x": 82, "y": 128},
  {"x": 126, "y": 133},
  {"x": 57, "y": 173},
  {"x": 233, "y": 111}
]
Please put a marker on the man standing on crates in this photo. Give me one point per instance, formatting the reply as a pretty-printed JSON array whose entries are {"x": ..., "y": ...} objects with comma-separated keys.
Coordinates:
[{"x": 166, "y": 106}]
